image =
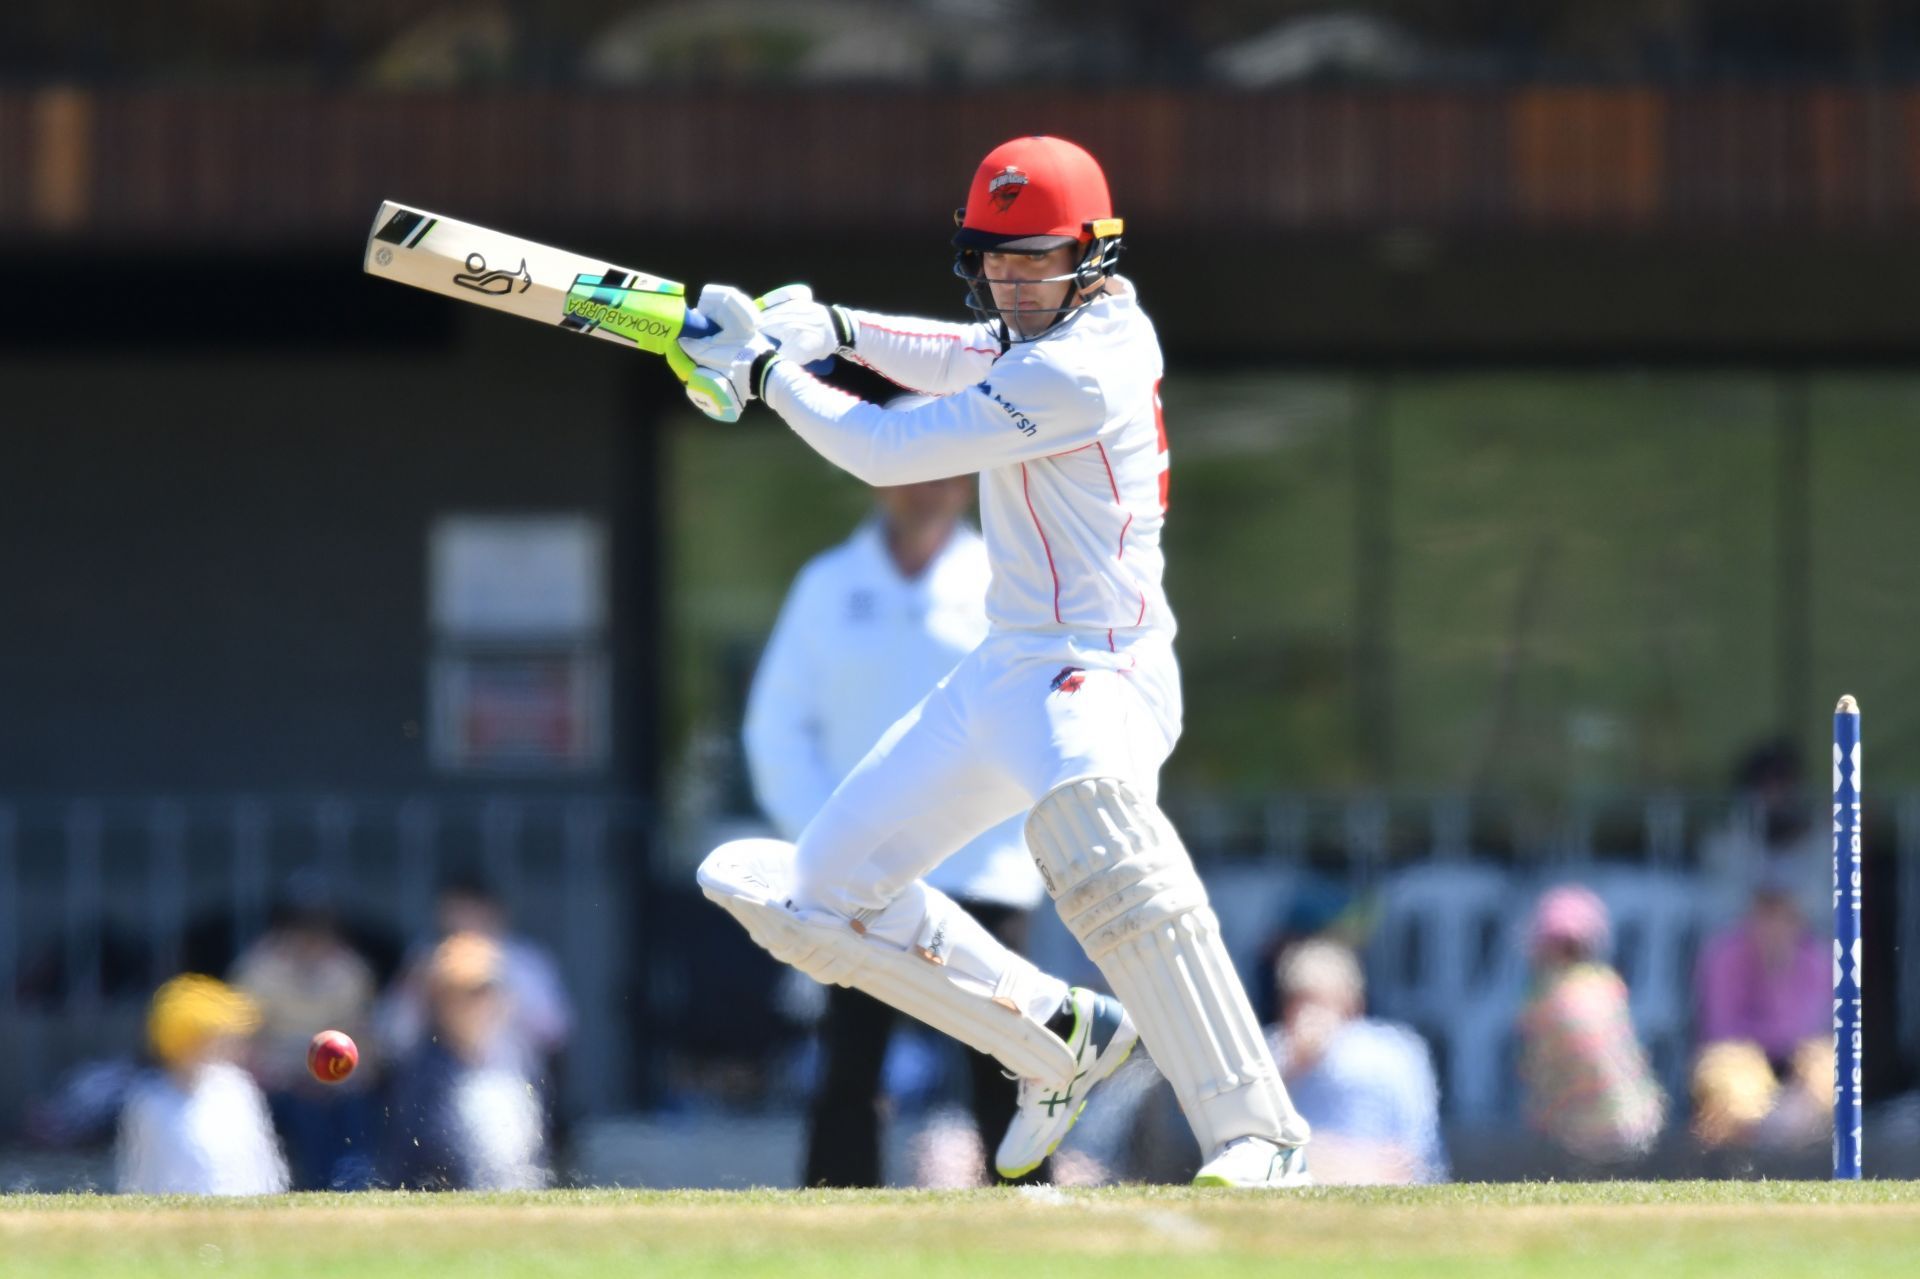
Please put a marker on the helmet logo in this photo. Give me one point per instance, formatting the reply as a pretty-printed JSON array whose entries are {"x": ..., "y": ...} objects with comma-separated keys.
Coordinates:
[{"x": 1005, "y": 187}]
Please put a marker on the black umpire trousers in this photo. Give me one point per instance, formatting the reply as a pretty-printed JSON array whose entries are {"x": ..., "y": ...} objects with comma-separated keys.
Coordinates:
[{"x": 843, "y": 1126}]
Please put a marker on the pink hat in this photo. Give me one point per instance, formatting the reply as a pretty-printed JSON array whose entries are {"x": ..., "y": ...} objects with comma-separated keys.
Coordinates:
[{"x": 1570, "y": 914}]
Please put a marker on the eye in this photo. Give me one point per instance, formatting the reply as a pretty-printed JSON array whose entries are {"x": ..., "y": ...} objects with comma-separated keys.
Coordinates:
[{"x": 1016, "y": 266}]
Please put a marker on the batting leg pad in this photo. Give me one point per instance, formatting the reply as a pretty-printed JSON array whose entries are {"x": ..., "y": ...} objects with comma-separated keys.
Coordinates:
[
  {"x": 923, "y": 955},
  {"x": 1124, "y": 885}
]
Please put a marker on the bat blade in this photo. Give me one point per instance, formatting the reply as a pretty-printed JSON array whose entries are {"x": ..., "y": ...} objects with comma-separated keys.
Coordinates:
[{"x": 535, "y": 281}]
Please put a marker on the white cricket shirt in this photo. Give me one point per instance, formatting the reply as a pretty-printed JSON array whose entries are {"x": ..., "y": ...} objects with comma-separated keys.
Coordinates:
[
  {"x": 856, "y": 646},
  {"x": 1066, "y": 433},
  {"x": 214, "y": 1137}
]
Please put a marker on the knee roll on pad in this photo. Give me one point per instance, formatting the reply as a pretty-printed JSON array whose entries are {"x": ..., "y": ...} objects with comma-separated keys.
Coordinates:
[
  {"x": 752, "y": 880},
  {"x": 1126, "y": 888}
]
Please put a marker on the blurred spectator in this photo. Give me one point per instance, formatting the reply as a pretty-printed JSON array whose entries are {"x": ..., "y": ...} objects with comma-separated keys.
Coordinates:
[
  {"x": 1585, "y": 1075},
  {"x": 1764, "y": 987},
  {"x": 1733, "y": 1092},
  {"x": 868, "y": 629},
  {"x": 305, "y": 977},
  {"x": 198, "y": 1125},
  {"x": 1319, "y": 906},
  {"x": 538, "y": 1018},
  {"x": 459, "y": 1117},
  {"x": 1767, "y": 979},
  {"x": 84, "y": 1104},
  {"x": 1770, "y": 835},
  {"x": 1366, "y": 1086},
  {"x": 1740, "y": 1103}
]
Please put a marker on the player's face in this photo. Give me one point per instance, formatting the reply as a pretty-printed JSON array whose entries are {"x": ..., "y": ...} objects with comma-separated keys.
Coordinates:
[{"x": 1028, "y": 305}]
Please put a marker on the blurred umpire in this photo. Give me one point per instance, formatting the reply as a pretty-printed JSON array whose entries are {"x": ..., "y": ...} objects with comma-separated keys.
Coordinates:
[{"x": 867, "y": 630}]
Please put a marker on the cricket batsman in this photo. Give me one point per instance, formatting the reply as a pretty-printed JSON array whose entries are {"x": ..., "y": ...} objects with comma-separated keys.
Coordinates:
[{"x": 1064, "y": 712}]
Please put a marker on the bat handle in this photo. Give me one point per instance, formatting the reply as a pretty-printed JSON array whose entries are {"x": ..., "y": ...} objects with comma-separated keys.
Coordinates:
[{"x": 697, "y": 325}]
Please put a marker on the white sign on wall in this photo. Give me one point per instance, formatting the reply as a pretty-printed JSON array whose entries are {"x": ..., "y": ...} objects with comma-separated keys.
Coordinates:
[{"x": 517, "y": 577}]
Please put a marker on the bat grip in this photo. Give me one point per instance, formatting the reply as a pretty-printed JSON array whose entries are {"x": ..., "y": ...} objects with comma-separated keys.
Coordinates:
[{"x": 696, "y": 325}]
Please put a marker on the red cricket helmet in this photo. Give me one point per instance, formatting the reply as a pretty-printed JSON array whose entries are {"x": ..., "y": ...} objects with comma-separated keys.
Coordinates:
[{"x": 1034, "y": 195}]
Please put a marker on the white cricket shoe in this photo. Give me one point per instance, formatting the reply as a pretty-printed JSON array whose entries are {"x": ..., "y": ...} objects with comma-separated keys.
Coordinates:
[
  {"x": 1101, "y": 1038},
  {"x": 1254, "y": 1163}
]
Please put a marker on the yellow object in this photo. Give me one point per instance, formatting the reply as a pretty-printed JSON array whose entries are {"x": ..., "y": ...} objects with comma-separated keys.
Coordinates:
[
  {"x": 191, "y": 1010},
  {"x": 1813, "y": 1066},
  {"x": 1733, "y": 1090}
]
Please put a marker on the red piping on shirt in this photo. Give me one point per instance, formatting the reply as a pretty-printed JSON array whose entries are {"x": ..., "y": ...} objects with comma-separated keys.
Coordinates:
[
  {"x": 994, "y": 351},
  {"x": 1122, "y": 552},
  {"x": 896, "y": 381},
  {"x": 1048, "y": 549},
  {"x": 1112, "y": 484},
  {"x": 909, "y": 333},
  {"x": 1103, "y": 461}
]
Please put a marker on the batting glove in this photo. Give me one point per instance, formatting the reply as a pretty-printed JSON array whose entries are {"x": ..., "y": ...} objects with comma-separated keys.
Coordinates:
[
  {"x": 806, "y": 331},
  {"x": 731, "y": 354}
]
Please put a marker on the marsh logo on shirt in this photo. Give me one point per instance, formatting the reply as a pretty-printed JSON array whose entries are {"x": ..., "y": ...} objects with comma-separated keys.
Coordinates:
[
  {"x": 860, "y": 606},
  {"x": 1021, "y": 422},
  {"x": 1069, "y": 680}
]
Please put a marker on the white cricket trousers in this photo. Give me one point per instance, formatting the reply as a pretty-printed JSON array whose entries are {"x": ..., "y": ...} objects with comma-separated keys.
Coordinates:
[{"x": 1022, "y": 714}]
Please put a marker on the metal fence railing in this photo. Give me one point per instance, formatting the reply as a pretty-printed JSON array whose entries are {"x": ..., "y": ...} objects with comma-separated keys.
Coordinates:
[{"x": 102, "y": 900}]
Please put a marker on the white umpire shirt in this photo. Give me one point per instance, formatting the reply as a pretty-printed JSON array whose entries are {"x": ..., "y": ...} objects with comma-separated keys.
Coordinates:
[{"x": 856, "y": 646}]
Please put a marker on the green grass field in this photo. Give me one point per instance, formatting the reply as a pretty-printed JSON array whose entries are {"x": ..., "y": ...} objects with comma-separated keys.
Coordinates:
[{"x": 1623, "y": 1228}]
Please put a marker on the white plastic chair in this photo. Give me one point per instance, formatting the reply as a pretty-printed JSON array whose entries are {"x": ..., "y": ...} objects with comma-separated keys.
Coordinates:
[{"x": 1445, "y": 957}]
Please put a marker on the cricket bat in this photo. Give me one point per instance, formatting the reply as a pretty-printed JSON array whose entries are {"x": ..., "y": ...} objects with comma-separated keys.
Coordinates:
[{"x": 506, "y": 273}]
